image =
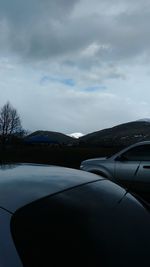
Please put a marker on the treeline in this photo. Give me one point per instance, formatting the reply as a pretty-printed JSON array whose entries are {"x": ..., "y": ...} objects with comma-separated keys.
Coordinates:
[
  {"x": 11, "y": 129},
  {"x": 13, "y": 149}
]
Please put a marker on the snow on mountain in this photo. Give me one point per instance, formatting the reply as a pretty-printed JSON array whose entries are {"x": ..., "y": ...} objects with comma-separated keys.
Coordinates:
[{"x": 76, "y": 135}]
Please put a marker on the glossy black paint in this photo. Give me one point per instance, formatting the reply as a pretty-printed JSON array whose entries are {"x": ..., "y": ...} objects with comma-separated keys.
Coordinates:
[
  {"x": 24, "y": 183},
  {"x": 94, "y": 224},
  {"x": 66, "y": 217}
]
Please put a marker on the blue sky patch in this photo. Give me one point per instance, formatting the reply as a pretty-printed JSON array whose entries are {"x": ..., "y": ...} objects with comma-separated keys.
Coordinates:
[
  {"x": 47, "y": 79},
  {"x": 69, "y": 82},
  {"x": 95, "y": 88}
]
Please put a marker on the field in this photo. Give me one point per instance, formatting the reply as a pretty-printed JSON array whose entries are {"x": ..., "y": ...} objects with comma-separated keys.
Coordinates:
[{"x": 61, "y": 156}]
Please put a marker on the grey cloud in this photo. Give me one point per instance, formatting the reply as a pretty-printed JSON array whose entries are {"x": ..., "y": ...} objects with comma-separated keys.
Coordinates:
[
  {"x": 92, "y": 47},
  {"x": 21, "y": 11},
  {"x": 38, "y": 30},
  {"x": 32, "y": 24}
]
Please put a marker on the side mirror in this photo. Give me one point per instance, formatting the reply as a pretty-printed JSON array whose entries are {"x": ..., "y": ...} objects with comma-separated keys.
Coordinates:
[{"x": 121, "y": 158}]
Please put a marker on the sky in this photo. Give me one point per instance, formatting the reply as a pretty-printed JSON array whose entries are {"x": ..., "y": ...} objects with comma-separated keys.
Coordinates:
[{"x": 75, "y": 65}]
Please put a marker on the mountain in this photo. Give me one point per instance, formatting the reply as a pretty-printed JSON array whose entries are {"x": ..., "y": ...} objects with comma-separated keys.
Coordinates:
[
  {"x": 145, "y": 120},
  {"x": 76, "y": 135},
  {"x": 49, "y": 137},
  {"x": 120, "y": 135}
]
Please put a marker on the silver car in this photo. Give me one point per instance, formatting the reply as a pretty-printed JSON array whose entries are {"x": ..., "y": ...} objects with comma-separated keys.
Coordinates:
[{"x": 130, "y": 168}]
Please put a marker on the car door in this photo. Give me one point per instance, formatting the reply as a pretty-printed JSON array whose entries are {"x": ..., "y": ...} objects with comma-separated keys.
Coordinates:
[
  {"x": 127, "y": 165},
  {"x": 142, "y": 177}
]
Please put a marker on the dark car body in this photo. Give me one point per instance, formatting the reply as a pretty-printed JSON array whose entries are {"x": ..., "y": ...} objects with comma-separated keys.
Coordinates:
[{"x": 53, "y": 216}]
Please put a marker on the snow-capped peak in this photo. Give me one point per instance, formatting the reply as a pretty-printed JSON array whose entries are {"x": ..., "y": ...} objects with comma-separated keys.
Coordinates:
[{"x": 76, "y": 135}]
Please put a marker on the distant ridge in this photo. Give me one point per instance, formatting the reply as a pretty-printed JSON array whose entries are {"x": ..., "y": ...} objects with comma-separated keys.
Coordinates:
[
  {"x": 120, "y": 135},
  {"x": 49, "y": 137},
  {"x": 145, "y": 120}
]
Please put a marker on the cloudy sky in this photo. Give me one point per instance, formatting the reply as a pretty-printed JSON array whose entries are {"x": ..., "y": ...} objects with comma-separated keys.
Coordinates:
[{"x": 75, "y": 65}]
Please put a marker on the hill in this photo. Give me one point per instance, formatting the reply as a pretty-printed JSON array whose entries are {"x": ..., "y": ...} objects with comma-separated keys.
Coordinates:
[
  {"x": 49, "y": 137},
  {"x": 120, "y": 135}
]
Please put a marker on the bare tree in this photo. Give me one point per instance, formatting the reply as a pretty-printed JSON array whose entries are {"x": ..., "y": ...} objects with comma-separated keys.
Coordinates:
[{"x": 10, "y": 123}]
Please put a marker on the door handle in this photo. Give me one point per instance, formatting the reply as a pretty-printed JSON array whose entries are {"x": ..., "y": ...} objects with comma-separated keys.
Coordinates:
[{"x": 146, "y": 167}]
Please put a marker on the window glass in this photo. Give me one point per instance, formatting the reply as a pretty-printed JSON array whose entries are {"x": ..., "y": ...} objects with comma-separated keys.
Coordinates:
[{"x": 140, "y": 153}]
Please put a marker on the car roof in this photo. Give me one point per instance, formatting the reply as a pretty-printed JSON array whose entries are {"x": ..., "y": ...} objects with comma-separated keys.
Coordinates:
[
  {"x": 141, "y": 143},
  {"x": 129, "y": 147},
  {"x": 24, "y": 183}
]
